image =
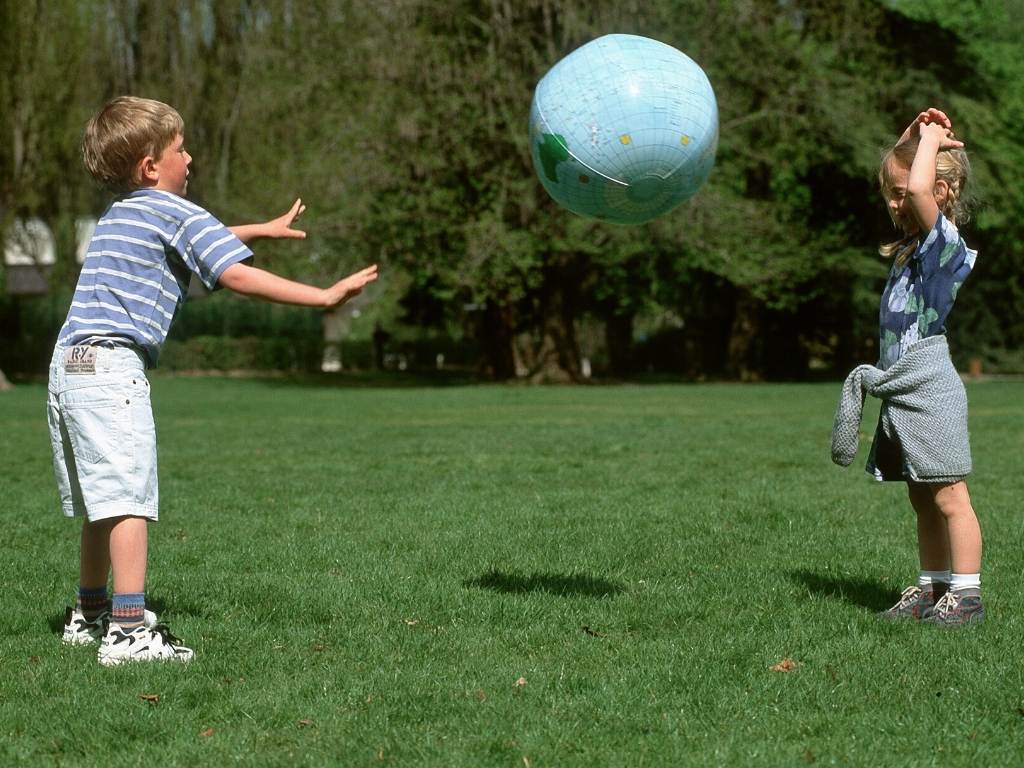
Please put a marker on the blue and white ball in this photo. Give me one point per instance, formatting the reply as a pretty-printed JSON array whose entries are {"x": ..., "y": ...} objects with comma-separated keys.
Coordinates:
[{"x": 623, "y": 129}]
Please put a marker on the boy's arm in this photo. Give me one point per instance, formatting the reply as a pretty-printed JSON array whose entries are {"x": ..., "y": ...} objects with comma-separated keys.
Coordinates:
[
  {"x": 921, "y": 184},
  {"x": 260, "y": 284},
  {"x": 279, "y": 227}
]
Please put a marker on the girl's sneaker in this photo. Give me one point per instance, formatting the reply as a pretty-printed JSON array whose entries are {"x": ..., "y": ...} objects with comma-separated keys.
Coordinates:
[
  {"x": 78, "y": 630},
  {"x": 915, "y": 602},
  {"x": 956, "y": 609},
  {"x": 143, "y": 643}
]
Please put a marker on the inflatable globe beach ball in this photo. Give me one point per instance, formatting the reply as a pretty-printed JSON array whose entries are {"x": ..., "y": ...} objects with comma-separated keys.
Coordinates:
[{"x": 623, "y": 129}]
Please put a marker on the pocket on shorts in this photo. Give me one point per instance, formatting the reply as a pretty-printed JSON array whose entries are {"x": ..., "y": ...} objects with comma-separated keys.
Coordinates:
[{"x": 98, "y": 429}]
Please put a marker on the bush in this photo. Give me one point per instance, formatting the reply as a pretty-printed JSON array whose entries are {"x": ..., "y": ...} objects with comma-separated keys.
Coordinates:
[{"x": 224, "y": 353}]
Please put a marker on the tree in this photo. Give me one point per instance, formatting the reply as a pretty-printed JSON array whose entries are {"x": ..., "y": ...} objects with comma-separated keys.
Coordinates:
[{"x": 42, "y": 49}]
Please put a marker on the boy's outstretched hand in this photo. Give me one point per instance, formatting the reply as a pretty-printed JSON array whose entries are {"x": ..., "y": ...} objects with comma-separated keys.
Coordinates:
[
  {"x": 353, "y": 285},
  {"x": 279, "y": 227},
  {"x": 282, "y": 225}
]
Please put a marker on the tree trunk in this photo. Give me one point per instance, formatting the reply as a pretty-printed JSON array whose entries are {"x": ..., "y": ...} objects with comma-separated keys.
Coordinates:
[
  {"x": 618, "y": 336},
  {"x": 558, "y": 358},
  {"x": 5, "y": 385},
  {"x": 743, "y": 333},
  {"x": 496, "y": 335}
]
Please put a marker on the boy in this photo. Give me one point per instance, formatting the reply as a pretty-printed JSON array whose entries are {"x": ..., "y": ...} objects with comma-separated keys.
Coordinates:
[{"x": 145, "y": 249}]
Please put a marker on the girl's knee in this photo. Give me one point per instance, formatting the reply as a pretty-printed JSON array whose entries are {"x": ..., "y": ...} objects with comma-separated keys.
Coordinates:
[{"x": 953, "y": 500}]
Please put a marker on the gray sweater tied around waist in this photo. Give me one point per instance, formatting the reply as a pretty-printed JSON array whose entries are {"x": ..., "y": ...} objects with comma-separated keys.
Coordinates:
[{"x": 924, "y": 410}]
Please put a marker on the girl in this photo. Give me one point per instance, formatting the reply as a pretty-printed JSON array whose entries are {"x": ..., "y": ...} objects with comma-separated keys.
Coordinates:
[{"x": 923, "y": 179}]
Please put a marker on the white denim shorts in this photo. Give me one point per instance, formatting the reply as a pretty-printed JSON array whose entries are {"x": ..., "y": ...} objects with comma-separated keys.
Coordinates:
[{"x": 102, "y": 433}]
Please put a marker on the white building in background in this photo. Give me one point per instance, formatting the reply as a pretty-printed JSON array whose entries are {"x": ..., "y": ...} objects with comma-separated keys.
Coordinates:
[{"x": 30, "y": 251}]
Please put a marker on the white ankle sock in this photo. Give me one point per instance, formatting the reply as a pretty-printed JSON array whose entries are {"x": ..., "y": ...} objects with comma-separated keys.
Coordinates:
[
  {"x": 965, "y": 581},
  {"x": 927, "y": 578}
]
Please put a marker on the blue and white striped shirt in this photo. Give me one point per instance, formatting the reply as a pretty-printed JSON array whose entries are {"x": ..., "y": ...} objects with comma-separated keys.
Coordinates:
[{"x": 136, "y": 272}]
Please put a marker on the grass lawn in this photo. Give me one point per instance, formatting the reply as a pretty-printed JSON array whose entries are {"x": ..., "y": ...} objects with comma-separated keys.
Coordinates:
[{"x": 476, "y": 576}]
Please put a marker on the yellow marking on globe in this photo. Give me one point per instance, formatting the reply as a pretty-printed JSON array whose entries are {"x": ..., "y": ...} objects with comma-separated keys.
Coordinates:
[
  {"x": 685, "y": 140},
  {"x": 625, "y": 138}
]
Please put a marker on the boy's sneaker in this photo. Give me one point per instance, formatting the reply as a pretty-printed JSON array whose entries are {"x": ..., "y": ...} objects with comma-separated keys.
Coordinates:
[
  {"x": 956, "y": 609},
  {"x": 915, "y": 602},
  {"x": 143, "y": 643},
  {"x": 78, "y": 630}
]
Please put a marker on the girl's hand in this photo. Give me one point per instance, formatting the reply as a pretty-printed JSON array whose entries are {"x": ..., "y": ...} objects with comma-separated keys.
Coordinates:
[
  {"x": 282, "y": 225},
  {"x": 930, "y": 116},
  {"x": 943, "y": 133}
]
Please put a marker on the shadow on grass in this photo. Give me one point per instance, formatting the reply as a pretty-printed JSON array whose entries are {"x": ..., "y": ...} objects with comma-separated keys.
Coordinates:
[
  {"x": 577, "y": 584},
  {"x": 868, "y": 593}
]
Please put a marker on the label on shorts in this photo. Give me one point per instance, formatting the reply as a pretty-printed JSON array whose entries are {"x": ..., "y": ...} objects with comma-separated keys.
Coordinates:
[{"x": 80, "y": 360}]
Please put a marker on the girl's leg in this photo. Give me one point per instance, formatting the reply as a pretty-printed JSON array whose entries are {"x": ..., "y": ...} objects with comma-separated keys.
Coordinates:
[
  {"x": 962, "y": 604},
  {"x": 954, "y": 504},
  {"x": 933, "y": 551},
  {"x": 932, "y": 530}
]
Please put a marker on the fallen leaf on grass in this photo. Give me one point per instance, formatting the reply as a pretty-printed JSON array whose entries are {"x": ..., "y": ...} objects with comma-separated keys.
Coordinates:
[
  {"x": 319, "y": 647},
  {"x": 786, "y": 665},
  {"x": 208, "y": 732},
  {"x": 592, "y": 632},
  {"x": 521, "y": 683},
  {"x": 809, "y": 757},
  {"x": 411, "y": 622},
  {"x": 481, "y": 696},
  {"x": 305, "y": 723},
  {"x": 150, "y": 698}
]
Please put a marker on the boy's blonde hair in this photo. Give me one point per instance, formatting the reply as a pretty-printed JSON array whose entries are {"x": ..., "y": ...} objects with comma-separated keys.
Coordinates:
[
  {"x": 951, "y": 166},
  {"x": 125, "y": 131}
]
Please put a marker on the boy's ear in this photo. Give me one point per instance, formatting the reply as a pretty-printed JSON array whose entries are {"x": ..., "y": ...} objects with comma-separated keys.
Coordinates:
[
  {"x": 941, "y": 192},
  {"x": 147, "y": 172}
]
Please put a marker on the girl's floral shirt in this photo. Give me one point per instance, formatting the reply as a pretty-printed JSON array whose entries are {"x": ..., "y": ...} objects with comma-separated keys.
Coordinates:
[{"x": 920, "y": 294}]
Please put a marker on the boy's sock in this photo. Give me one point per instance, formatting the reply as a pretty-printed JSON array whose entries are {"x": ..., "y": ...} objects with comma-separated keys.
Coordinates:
[
  {"x": 128, "y": 609},
  {"x": 963, "y": 581},
  {"x": 927, "y": 578},
  {"x": 92, "y": 602}
]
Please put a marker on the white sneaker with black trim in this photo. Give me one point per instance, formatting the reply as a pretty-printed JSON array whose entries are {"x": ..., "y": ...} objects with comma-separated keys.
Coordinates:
[
  {"x": 120, "y": 646},
  {"x": 78, "y": 630}
]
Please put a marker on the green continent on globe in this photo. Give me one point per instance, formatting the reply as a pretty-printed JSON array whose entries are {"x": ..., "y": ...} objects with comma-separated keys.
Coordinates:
[{"x": 552, "y": 152}]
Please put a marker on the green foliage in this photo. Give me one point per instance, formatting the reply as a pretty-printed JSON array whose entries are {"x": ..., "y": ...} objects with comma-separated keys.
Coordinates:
[
  {"x": 403, "y": 128},
  {"x": 242, "y": 353}
]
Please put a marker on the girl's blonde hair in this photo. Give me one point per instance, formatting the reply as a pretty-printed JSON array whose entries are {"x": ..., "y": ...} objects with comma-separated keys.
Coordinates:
[
  {"x": 951, "y": 166},
  {"x": 125, "y": 131}
]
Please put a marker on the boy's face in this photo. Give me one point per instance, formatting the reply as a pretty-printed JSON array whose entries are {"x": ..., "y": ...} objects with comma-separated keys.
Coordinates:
[{"x": 172, "y": 167}]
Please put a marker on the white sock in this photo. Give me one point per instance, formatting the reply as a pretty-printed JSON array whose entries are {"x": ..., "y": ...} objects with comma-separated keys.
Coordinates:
[
  {"x": 965, "y": 581},
  {"x": 927, "y": 578}
]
